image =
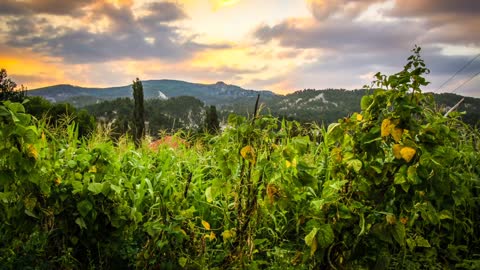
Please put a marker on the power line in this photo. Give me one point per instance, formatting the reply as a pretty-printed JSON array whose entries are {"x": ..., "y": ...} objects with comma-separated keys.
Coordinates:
[
  {"x": 465, "y": 82},
  {"x": 458, "y": 71}
]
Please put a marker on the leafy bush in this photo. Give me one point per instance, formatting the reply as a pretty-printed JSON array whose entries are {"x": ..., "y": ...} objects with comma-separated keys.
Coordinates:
[{"x": 394, "y": 186}]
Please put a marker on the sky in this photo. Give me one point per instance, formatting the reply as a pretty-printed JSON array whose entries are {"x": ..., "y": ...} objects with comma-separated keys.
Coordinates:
[{"x": 278, "y": 45}]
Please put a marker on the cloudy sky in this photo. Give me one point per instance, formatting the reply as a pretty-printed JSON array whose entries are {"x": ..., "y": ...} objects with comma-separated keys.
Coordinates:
[{"x": 280, "y": 45}]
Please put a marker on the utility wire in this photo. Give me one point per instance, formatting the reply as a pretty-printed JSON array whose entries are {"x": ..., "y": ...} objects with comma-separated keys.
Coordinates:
[
  {"x": 458, "y": 71},
  {"x": 465, "y": 82}
]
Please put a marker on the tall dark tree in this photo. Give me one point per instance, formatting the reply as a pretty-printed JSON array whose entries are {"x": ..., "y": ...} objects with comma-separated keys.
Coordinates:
[
  {"x": 211, "y": 121},
  {"x": 138, "y": 112},
  {"x": 8, "y": 89}
]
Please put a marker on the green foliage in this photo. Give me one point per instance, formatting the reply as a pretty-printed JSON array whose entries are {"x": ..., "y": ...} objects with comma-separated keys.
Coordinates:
[
  {"x": 392, "y": 187},
  {"x": 161, "y": 115},
  {"x": 8, "y": 89},
  {"x": 53, "y": 114}
]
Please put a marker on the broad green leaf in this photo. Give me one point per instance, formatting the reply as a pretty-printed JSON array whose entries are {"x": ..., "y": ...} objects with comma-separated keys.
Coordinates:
[
  {"x": 182, "y": 261},
  {"x": 318, "y": 204},
  {"x": 77, "y": 187},
  {"x": 445, "y": 214},
  {"x": 115, "y": 188},
  {"x": 355, "y": 164},
  {"x": 208, "y": 194},
  {"x": 81, "y": 223},
  {"x": 399, "y": 179},
  {"x": 365, "y": 102},
  {"x": 84, "y": 207},
  {"x": 71, "y": 164},
  {"x": 422, "y": 242},
  {"x": 398, "y": 233},
  {"x": 325, "y": 235},
  {"x": 30, "y": 213},
  {"x": 311, "y": 237},
  {"x": 411, "y": 243},
  {"x": 96, "y": 188}
]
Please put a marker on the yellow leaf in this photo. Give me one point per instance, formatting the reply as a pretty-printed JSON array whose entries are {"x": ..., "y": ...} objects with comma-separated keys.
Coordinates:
[
  {"x": 32, "y": 151},
  {"x": 396, "y": 151},
  {"x": 272, "y": 191},
  {"x": 212, "y": 236},
  {"x": 227, "y": 234},
  {"x": 337, "y": 154},
  {"x": 294, "y": 162},
  {"x": 93, "y": 169},
  {"x": 397, "y": 134},
  {"x": 206, "y": 225},
  {"x": 386, "y": 127},
  {"x": 288, "y": 164},
  {"x": 248, "y": 153},
  {"x": 58, "y": 181},
  {"x": 359, "y": 117},
  {"x": 407, "y": 153},
  {"x": 391, "y": 219}
]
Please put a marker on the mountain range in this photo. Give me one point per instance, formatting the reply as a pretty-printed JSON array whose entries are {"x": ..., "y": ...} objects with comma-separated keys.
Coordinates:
[
  {"x": 309, "y": 105},
  {"x": 219, "y": 93}
]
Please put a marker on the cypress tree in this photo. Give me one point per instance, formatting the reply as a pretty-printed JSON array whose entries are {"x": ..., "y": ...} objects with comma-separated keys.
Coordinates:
[
  {"x": 211, "y": 121},
  {"x": 138, "y": 112}
]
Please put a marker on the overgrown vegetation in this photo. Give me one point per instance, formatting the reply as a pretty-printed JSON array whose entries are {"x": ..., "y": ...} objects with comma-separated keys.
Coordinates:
[{"x": 394, "y": 186}]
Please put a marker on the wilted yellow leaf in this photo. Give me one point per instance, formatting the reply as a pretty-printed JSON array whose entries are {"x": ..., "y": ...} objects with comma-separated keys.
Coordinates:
[
  {"x": 337, "y": 154},
  {"x": 386, "y": 127},
  {"x": 32, "y": 151},
  {"x": 407, "y": 153},
  {"x": 391, "y": 219},
  {"x": 397, "y": 134},
  {"x": 272, "y": 190},
  {"x": 227, "y": 234},
  {"x": 210, "y": 236},
  {"x": 206, "y": 225},
  {"x": 93, "y": 169},
  {"x": 396, "y": 151},
  {"x": 248, "y": 153},
  {"x": 58, "y": 181},
  {"x": 288, "y": 164},
  {"x": 294, "y": 162}
]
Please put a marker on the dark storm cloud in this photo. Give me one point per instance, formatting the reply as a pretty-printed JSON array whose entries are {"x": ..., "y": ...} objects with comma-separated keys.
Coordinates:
[
  {"x": 434, "y": 8},
  {"x": 127, "y": 36},
  {"x": 324, "y": 9},
  {"x": 341, "y": 35},
  {"x": 12, "y": 7},
  {"x": 423, "y": 22},
  {"x": 58, "y": 7},
  {"x": 163, "y": 12},
  {"x": 54, "y": 7},
  {"x": 447, "y": 21}
]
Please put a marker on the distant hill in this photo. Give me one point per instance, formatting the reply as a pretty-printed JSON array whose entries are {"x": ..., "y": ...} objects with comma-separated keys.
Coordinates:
[
  {"x": 309, "y": 105},
  {"x": 219, "y": 93}
]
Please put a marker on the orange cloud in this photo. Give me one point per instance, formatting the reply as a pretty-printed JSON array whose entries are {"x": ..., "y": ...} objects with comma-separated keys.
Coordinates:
[{"x": 32, "y": 70}]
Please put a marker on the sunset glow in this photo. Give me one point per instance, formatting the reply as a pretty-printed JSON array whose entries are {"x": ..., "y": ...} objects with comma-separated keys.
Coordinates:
[{"x": 279, "y": 45}]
